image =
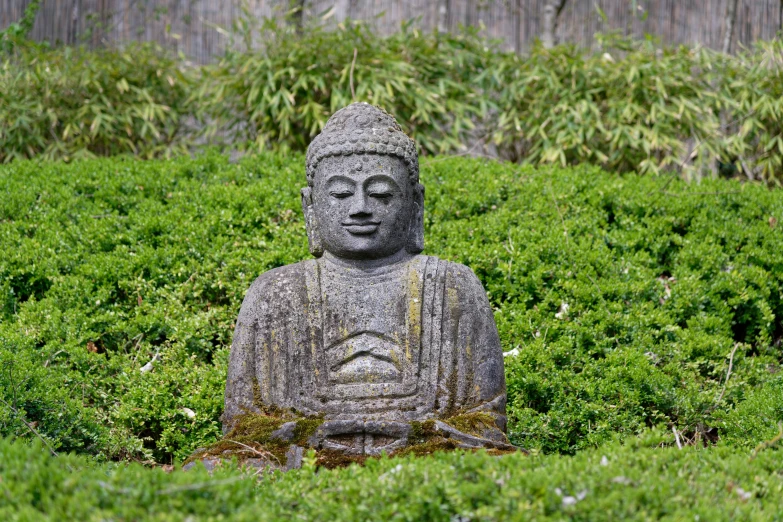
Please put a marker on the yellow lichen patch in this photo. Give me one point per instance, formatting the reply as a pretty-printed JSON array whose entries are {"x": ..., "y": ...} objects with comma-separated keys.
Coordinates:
[
  {"x": 414, "y": 311},
  {"x": 452, "y": 300},
  {"x": 258, "y": 400}
]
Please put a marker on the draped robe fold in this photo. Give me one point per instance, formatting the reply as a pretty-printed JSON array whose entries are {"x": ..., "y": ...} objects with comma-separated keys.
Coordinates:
[{"x": 445, "y": 357}]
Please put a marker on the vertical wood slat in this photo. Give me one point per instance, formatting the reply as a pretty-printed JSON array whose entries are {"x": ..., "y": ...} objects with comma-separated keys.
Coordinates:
[{"x": 516, "y": 22}]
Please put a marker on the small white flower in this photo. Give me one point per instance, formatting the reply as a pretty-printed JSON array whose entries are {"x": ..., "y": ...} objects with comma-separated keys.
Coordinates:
[{"x": 562, "y": 312}]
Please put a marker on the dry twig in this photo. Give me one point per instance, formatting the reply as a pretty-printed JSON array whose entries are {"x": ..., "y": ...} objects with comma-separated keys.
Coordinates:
[
  {"x": 677, "y": 437},
  {"x": 725, "y": 382},
  {"x": 766, "y": 444},
  {"x": 260, "y": 453},
  {"x": 29, "y": 426}
]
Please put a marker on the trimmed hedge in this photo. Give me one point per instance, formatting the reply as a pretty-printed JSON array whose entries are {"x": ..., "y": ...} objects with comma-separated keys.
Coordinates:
[
  {"x": 633, "y": 482},
  {"x": 622, "y": 301}
]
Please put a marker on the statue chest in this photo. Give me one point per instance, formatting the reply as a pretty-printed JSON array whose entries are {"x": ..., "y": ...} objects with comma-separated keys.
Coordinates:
[
  {"x": 367, "y": 328},
  {"x": 370, "y": 333}
]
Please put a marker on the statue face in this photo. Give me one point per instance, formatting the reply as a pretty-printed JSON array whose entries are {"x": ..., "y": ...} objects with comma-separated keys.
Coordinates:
[{"x": 363, "y": 205}]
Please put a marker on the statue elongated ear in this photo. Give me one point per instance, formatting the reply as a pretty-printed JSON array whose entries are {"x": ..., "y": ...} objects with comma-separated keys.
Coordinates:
[
  {"x": 311, "y": 224},
  {"x": 415, "y": 243}
]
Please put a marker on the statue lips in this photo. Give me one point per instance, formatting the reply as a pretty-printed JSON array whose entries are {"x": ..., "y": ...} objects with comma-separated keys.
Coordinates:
[{"x": 361, "y": 229}]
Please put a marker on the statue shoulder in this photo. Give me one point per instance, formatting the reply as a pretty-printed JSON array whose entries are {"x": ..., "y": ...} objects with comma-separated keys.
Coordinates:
[
  {"x": 461, "y": 276},
  {"x": 278, "y": 285},
  {"x": 279, "y": 278}
]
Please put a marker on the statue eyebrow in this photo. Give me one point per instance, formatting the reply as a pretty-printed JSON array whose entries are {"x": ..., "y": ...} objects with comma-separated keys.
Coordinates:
[
  {"x": 381, "y": 177},
  {"x": 340, "y": 177}
]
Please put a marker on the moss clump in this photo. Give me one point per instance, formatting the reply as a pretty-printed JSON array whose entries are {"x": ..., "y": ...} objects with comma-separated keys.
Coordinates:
[
  {"x": 254, "y": 427},
  {"x": 472, "y": 423},
  {"x": 500, "y": 452},
  {"x": 331, "y": 459},
  {"x": 421, "y": 431},
  {"x": 305, "y": 428},
  {"x": 250, "y": 437},
  {"x": 428, "y": 447}
]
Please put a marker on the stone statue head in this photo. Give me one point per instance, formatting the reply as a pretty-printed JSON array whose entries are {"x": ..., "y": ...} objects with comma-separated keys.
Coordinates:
[{"x": 363, "y": 198}]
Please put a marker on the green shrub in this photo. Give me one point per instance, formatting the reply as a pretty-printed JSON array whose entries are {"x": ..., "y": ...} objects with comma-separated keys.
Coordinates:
[
  {"x": 633, "y": 482},
  {"x": 640, "y": 107},
  {"x": 280, "y": 97},
  {"x": 109, "y": 263},
  {"x": 638, "y": 112},
  {"x": 629, "y": 107},
  {"x": 632, "y": 106},
  {"x": 753, "y": 94},
  {"x": 17, "y": 32},
  {"x": 69, "y": 103}
]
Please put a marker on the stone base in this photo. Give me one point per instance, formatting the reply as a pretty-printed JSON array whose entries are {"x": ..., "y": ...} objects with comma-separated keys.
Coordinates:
[{"x": 267, "y": 443}]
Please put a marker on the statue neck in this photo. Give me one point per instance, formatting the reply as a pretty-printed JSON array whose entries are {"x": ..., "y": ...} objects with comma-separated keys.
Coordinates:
[{"x": 369, "y": 266}]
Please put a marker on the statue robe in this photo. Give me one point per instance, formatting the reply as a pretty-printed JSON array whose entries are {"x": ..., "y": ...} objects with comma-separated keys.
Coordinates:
[{"x": 415, "y": 342}]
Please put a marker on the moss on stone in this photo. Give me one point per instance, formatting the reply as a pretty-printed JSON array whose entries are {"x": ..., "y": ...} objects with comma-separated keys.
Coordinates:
[
  {"x": 254, "y": 427},
  {"x": 421, "y": 431},
  {"x": 305, "y": 428},
  {"x": 250, "y": 437},
  {"x": 428, "y": 447},
  {"x": 472, "y": 423},
  {"x": 331, "y": 459}
]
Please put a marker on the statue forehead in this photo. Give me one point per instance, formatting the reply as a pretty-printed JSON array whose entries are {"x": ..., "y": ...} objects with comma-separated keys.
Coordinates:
[
  {"x": 362, "y": 165},
  {"x": 361, "y": 128}
]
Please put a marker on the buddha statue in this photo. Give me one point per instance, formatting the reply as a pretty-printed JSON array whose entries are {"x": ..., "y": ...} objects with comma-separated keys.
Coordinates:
[{"x": 369, "y": 335}]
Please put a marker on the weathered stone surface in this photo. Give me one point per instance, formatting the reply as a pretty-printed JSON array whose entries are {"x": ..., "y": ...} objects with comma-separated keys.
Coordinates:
[
  {"x": 294, "y": 457},
  {"x": 469, "y": 441},
  {"x": 210, "y": 463},
  {"x": 285, "y": 432},
  {"x": 369, "y": 334}
]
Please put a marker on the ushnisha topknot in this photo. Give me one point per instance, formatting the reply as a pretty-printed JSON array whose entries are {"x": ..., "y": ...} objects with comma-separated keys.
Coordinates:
[{"x": 362, "y": 128}]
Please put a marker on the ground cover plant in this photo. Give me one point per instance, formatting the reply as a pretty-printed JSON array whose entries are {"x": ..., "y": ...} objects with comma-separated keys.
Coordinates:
[
  {"x": 627, "y": 106},
  {"x": 637, "y": 314},
  {"x": 638, "y": 481},
  {"x": 622, "y": 303}
]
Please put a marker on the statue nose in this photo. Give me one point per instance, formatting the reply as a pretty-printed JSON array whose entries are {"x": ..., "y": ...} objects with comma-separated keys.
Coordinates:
[{"x": 359, "y": 205}]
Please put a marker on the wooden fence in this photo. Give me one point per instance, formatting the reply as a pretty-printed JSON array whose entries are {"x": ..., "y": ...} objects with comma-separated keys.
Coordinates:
[{"x": 197, "y": 27}]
